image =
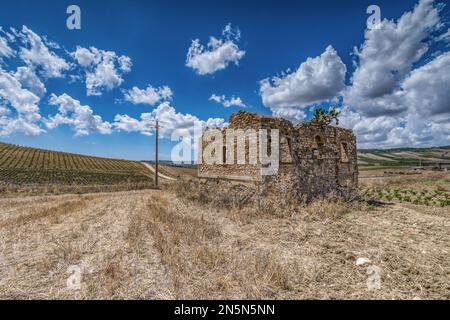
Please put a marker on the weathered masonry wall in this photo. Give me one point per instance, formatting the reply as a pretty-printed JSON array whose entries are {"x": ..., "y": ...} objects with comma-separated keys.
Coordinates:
[
  {"x": 326, "y": 160},
  {"x": 246, "y": 172},
  {"x": 314, "y": 160}
]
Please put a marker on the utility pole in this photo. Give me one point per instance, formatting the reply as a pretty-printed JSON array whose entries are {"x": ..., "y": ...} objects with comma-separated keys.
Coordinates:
[{"x": 156, "y": 153}]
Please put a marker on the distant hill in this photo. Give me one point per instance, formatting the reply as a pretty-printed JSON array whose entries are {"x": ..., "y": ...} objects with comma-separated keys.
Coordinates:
[
  {"x": 403, "y": 156},
  {"x": 169, "y": 163},
  {"x": 30, "y": 166}
]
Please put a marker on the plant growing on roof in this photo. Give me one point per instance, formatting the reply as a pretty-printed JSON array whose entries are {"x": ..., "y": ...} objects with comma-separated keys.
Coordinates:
[{"x": 325, "y": 118}]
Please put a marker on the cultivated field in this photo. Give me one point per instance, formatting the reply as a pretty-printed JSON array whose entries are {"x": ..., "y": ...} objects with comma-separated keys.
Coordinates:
[
  {"x": 179, "y": 243},
  {"x": 402, "y": 157},
  {"x": 29, "y": 170}
]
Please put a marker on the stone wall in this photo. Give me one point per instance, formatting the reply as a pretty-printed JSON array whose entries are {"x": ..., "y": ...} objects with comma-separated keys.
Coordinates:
[
  {"x": 246, "y": 172},
  {"x": 326, "y": 160},
  {"x": 314, "y": 160}
]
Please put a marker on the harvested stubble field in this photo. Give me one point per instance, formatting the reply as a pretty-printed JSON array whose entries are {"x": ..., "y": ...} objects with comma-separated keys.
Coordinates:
[
  {"x": 178, "y": 243},
  {"x": 32, "y": 171}
]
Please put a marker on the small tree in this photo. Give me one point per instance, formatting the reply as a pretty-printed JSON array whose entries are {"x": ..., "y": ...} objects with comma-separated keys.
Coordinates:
[{"x": 325, "y": 118}]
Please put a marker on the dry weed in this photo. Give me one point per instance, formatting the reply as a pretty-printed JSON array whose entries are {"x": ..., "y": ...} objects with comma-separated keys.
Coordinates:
[
  {"x": 159, "y": 244},
  {"x": 203, "y": 266},
  {"x": 330, "y": 208},
  {"x": 54, "y": 213}
]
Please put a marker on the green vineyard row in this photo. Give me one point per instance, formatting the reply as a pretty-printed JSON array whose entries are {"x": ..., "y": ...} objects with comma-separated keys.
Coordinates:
[{"x": 30, "y": 166}]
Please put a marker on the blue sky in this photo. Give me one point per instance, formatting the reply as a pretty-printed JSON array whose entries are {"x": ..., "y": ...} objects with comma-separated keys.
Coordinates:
[{"x": 274, "y": 36}]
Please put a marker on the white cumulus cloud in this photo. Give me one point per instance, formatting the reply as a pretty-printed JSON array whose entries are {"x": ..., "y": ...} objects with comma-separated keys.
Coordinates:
[
  {"x": 168, "y": 118},
  {"x": 149, "y": 96},
  {"x": 38, "y": 56},
  {"x": 231, "y": 102},
  {"x": 317, "y": 79},
  {"x": 25, "y": 104},
  {"x": 292, "y": 114},
  {"x": 386, "y": 58},
  {"x": 425, "y": 96},
  {"x": 389, "y": 103},
  {"x": 29, "y": 80},
  {"x": 426, "y": 90},
  {"x": 5, "y": 50},
  {"x": 103, "y": 69},
  {"x": 218, "y": 53},
  {"x": 80, "y": 117}
]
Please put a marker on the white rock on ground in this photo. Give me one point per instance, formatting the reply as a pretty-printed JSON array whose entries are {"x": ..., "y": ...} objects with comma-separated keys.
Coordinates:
[{"x": 362, "y": 261}]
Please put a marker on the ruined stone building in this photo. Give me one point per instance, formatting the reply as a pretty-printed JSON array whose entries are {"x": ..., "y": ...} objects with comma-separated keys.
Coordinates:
[{"x": 313, "y": 160}]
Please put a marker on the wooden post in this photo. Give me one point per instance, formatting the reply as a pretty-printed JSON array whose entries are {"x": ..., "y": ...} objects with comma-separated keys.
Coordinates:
[{"x": 156, "y": 154}]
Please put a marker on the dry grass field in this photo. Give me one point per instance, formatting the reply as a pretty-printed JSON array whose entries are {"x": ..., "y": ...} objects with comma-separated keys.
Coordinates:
[{"x": 160, "y": 244}]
